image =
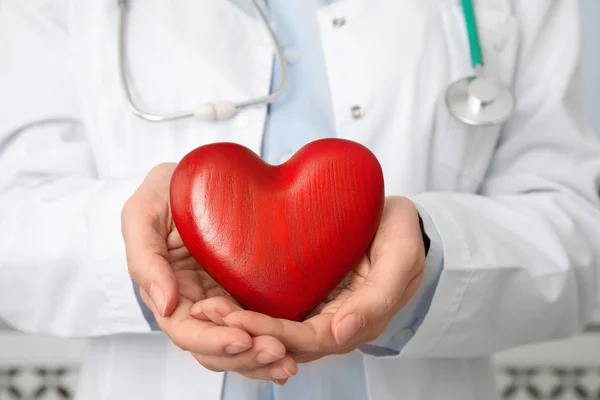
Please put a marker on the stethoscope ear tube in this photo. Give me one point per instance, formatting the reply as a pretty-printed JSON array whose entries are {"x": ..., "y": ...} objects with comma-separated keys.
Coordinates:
[{"x": 212, "y": 111}]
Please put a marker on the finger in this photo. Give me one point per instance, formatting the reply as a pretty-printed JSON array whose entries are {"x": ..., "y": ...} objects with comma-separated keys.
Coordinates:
[
  {"x": 146, "y": 250},
  {"x": 278, "y": 372},
  {"x": 202, "y": 337},
  {"x": 215, "y": 309},
  {"x": 311, "y": 336},
  {"x": 396, "y": 262},
  {"x": 265, "y": 350}
]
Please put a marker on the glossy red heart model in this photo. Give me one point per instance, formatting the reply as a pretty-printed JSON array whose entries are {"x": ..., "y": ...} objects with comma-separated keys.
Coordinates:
[{"x": 279, "y": 239}]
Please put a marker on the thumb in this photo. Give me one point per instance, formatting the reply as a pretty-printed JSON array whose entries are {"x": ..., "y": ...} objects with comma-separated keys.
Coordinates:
[
  {"x": 396, "y": 260},
  {"x": 154, "y": 276},
  {"x": 147, "y": 253},
  {"x": 365, "y": 313}
]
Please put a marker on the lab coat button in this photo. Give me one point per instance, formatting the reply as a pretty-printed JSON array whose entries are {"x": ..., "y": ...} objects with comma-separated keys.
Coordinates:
[
  {"x": 242, "y": 121},
  {"x": 291, "y": 56},
  {"x": 500, "y": 44},
  {"x": 357, "y": 112},
  {"x": 338, "y": 22},
  {"x": 259, "y": 37}
]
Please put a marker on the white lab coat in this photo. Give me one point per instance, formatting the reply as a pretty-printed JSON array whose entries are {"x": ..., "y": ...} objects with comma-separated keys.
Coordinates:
[{"x": 516, "y": 207}]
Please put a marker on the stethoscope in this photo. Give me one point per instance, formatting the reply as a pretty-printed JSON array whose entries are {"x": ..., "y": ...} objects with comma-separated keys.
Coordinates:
[{"x": 477, "y": 100}]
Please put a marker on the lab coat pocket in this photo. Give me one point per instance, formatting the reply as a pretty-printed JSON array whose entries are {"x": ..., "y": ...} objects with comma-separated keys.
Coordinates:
[{"x": 463, "y": 153}]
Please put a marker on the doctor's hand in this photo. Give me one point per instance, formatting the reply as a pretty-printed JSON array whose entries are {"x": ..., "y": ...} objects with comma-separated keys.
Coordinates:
[
  {"x": 359, "y": 310},
  {"x": 171, "y": 282}
]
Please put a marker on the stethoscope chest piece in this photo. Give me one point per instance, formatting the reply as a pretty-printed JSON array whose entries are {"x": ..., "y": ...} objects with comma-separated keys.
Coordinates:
[{"x": 480, "y": 101}]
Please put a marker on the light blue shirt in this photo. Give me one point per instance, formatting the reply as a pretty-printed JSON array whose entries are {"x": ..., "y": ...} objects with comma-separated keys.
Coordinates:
[{"x": 302, "y": 114}]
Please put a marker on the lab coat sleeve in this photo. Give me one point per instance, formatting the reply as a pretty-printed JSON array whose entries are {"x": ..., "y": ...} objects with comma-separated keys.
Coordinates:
[
  {"x": 62, "y": 263},
  {"x": 522, "y": 256}
]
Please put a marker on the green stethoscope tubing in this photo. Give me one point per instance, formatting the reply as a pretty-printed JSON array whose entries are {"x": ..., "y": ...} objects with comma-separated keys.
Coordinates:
[{"x": 473, "y": 34}]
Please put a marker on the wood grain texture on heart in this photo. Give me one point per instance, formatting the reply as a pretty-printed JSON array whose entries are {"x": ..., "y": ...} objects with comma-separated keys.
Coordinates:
[{"x": 280, "y": 238}]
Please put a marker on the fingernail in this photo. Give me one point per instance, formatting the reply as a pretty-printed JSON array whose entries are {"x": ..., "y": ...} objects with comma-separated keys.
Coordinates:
[
  {"x": 279, "y": 382},
  {"x": 237, "y": 348},
  {"x": 348, "y": 327},
  {"x": 158, "y": 297},
  {"x": 200, "y": 315},
  {"x": 197, "y": 310},
  {"x": 279, "y": 373},
  {"x": 215, "y": 316},
  {"x": 267, "y": 357},
  {"x": 229, "y": 322}
]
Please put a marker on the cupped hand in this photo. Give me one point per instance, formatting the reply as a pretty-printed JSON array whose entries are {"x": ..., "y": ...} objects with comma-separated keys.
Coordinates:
[
  {"x": 171, "y": 282},
  {"x": 360, "y": 309}
]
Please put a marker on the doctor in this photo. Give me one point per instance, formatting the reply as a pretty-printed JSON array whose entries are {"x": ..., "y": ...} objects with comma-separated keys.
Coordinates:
[{"x": 506, "y": 254}]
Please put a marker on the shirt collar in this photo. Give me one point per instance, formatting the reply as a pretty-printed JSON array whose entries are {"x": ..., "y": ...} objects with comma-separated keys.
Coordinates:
[{"x": 246, "y": 6}]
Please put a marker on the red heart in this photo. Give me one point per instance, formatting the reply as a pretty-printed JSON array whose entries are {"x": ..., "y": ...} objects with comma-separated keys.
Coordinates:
[{"x": 279, "y": 239}]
